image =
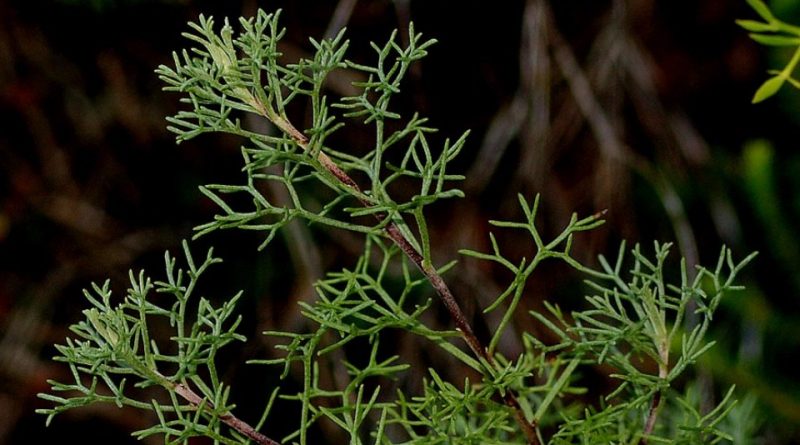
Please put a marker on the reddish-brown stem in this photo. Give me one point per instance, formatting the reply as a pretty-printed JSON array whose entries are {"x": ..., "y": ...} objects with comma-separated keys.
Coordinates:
[
  {"x": 228, "y": 419},
  {"x": 652, "y": 416},
  {"x": 393, "y": 232}
]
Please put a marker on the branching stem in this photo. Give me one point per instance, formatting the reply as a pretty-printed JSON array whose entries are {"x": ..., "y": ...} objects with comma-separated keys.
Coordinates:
[{"x": 395, "y": 234}]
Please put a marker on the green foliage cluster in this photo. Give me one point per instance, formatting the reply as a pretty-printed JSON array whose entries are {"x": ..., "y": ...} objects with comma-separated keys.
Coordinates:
[
  {"x": 636, "y": 327},
  {"x": 773, "y": 32},
  {"x": 114, "y": 347}
]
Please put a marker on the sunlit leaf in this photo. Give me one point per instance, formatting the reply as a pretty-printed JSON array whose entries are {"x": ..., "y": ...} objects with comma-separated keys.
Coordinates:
[{"x": 768, "y": 89}]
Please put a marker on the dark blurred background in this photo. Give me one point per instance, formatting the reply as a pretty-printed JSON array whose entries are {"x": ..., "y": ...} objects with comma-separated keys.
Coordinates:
[{"x": 634, "y": 106}]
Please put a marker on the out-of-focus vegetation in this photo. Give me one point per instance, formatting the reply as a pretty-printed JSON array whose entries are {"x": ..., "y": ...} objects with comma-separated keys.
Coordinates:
[{"x": 639, "y": 107}]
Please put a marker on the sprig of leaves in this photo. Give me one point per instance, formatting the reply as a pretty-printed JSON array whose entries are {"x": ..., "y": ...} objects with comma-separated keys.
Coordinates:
[
  {"x": 115, "y": 346},
  {"x": 228, "y": 74},
  {"x": 636, "y": 318},
  {"x": 558, "y": 248},
  {"x": 773, "y": 32}
]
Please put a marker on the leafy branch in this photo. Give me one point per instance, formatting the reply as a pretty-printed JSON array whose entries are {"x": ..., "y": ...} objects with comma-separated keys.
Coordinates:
[
  {"x": 221, "y": 71},
  {"x": 632, "y": 328},
  {"x": 630, "y": 319},
  {"x": 639, "y": 319},
  {"x": 114, "y": 346}
]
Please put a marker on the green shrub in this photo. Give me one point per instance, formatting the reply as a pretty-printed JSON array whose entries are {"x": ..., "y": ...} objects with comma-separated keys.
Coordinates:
[{"x": 634, "y": 327}]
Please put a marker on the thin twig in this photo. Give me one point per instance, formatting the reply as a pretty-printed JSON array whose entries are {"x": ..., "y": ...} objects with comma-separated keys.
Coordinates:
[
  {"x": 340, "y": 17},
  {"x": 652, "y": 416},
  {"x": 535, "y": 79},
  {"x": 602, "y": 128},
  {"x": 505, "y": 126},
  {"x": 228, "y": 418},
  {"x": 655, "y": 404}
]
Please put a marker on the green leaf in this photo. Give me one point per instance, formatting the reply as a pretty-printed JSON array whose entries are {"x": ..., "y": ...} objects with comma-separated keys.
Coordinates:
[
  {"x": 752, "y": 25},
  {"x": 772, "y": 40},
  {"x": 762, "y": 9},
  {"x": 768, "y": 89}
]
